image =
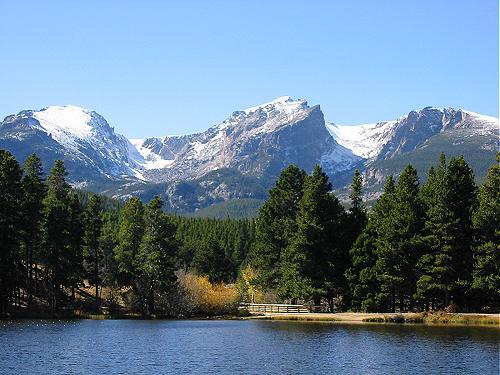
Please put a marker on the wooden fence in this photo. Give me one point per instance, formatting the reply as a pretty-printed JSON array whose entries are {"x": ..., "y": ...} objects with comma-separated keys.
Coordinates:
[{"x": 277, "y": 308}]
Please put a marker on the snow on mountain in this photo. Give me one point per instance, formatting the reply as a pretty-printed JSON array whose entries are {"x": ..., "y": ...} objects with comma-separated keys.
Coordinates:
[
  {"x": 483, "y": 122},
  {"x": 148, "y": 159},
  {"x": 256, "y": 141},
  {"x": 388, "y": 138},
  {"x": 366, "y": 140},
  {"x": 64, "y": 123},
  {"x": 81, "y": 137}
]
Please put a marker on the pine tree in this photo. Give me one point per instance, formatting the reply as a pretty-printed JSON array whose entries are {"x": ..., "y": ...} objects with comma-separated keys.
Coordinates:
[
  {"x": 74, "y": 253},
  {"x": 10, "y": 227},
  {"x": 361, "y": 275},
  {"x": 400, "y": 243},
  {"x": 276, "y": 225},
  {"x": 449, "y": 196},
  {"x": 357, "y": 212},
  {"x": 32, "y": 213},
  {"x": 463, "y": 202},
  {"x": 315, "y": 259},
  {"x": 157, "y": 261},
  {"x": 485, "y": 288},
  {"x": 92, "y": 250},
  {"x": 56, "y": 235},
  {"x": 210, "y": 260},
  {"x": 108, "y": 241},
  {"x": 381, "y": 220},
  {"x": 130, "y": 232}
]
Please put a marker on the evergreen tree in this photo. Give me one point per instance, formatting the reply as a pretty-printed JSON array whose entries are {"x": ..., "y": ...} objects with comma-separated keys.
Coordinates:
[
  {"x": 361, "y": 275},
  {"x": 435, "y": 268},
  {"x": 157, "y": 261},
  {"x": 463, "y": 202},
  {"x": 92, "y": 251},
  {"x": 130, "y": 232},
  {"x": 357, "y": 219},
  {"x": 357, "y": 212},
  {"x": 108, "y": 241},
  {"x": 209, "y": 260},
  {"x": 381, "y": 220},
  {"x": 276, "y": 225},
  {"x": 74, "y": 255},
  {"x": 450, "y": 197},
  {"x": 10, "y": 227},
  {"x": 399, "y": 244},
  {"x": 56, "y": 235},
  {"x": 32, "y": 212},
  {"x": 316, "y": 258},
  {"x": 485, "y": 289}
]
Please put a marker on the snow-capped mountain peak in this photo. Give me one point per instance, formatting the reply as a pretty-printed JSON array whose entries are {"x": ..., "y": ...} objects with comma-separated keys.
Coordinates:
[
  {"x": 281, "y": 104},
  {"x": 258, "y": 142},
  {"x": 64, "y": 121},
  {"x": 486, "y": 121},
  {"x": 387, "y": 138},
  {"x": 79, "y": 136}
]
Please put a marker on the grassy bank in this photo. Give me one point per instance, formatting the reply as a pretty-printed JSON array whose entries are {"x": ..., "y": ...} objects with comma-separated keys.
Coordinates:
[
  {"x": 437, "y": 318},
  {"x": 408, "y": 318}
]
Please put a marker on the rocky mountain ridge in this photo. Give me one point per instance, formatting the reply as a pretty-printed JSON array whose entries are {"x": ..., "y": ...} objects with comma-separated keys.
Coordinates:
[{"x": 249, "y": 148}]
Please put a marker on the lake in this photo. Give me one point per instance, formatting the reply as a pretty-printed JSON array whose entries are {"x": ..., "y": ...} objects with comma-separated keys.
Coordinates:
[{"x": 243, "y": 347}]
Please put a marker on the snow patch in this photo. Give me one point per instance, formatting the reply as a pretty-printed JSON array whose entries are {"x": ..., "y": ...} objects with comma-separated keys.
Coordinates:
[
  {"x": 487, "y": 121},
  {"x": 282, "y": 100},
  {"x": 340, "y": 159},
  {"x": 366, "y": 140},
  {"x": 65, "y": 122},
  {"x": 148, "y": 159}
]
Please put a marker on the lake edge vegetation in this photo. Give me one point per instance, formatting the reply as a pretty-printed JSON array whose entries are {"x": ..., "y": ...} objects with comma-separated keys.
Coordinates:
[{"x": 423, "y": 247}]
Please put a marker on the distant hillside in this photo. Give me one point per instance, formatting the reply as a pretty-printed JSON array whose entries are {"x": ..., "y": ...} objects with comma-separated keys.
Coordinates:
[{"x": 234, "y": 209}]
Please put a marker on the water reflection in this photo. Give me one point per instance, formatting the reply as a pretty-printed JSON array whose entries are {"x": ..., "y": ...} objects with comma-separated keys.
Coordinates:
[{"x": 248, "y": 347}]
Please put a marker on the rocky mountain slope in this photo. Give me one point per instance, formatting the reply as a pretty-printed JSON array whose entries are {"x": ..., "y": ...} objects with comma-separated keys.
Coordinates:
[
  {"x": 418, "y": 138},
  {"x": 89, "y": 146},
  {"x": 241, "y": 157},
  {"x": 258, "y": 141}
]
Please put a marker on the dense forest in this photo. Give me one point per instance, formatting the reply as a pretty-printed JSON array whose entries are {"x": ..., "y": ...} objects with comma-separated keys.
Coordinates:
[{"x": 422, "y": 247}]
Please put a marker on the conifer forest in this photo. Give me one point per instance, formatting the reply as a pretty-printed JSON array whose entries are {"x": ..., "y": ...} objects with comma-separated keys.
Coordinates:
[{"x": 421, "y": 246}]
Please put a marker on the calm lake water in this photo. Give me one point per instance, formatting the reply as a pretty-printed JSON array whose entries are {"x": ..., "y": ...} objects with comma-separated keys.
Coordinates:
[{"x": 243, "y": 347}]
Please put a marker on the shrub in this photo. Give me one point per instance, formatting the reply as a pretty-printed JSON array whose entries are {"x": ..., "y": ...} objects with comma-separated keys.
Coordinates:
[{"x": 200, "y": 297}]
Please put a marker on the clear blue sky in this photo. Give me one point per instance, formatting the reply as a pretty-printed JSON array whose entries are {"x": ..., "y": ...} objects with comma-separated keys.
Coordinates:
[{"x": 161, "y": 67}]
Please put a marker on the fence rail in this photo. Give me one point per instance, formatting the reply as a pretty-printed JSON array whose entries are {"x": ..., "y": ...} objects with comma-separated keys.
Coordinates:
[{"x": 277, "y": 308}]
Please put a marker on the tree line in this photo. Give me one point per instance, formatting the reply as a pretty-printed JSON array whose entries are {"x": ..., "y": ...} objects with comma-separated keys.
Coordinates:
[
  {"x": 421, "y": 247},
  {"x": 55, "y": 240}
]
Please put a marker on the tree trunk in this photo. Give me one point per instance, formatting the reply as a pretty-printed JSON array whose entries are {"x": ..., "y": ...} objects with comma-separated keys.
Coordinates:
[
  {"x": 317, "y": 301},
  {"x": 96, "y": 280}
]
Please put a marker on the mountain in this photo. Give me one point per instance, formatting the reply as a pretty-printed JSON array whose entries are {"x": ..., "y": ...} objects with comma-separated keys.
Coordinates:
[
  {"x": 258, "y": 141},
  {"x": 92, "y": 151},
  {"x": 418, "y": 138},
  {"x": 241, "y": 157},
  {"x": 387, "y": 139}
]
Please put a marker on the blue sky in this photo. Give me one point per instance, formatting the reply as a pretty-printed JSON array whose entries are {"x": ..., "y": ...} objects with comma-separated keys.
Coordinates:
[{"x": 159, "y": 67}]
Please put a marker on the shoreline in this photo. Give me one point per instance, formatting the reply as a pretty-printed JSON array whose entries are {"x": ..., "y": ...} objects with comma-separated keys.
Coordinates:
[{"x": 435, "y": 318}]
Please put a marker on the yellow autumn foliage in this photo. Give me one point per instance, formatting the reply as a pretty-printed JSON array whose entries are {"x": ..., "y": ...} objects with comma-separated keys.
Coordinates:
[{"x": 201, "y": 297}]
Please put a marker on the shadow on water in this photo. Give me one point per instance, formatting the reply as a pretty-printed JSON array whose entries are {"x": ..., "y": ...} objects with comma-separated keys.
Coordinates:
[
  {"x": 243, "y": 347},
  {"x": 435, "y": 332}
]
